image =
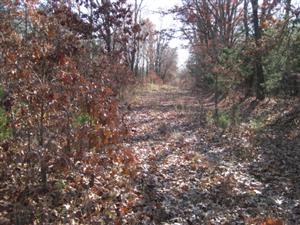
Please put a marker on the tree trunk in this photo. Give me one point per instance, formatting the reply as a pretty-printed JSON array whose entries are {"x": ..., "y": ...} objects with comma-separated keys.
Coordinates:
[
  {"x": 107, "y": 26},
  {"x": 288, "y": 8},
  {"x": 245, "y": 20},
  {"x": 216, "y": 98},
  {"x": 260, "y": 80},
  {"x": 43, "y": 162}
]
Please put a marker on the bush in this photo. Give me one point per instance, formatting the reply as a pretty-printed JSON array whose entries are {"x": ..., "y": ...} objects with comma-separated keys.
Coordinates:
[
  {"x": 82, "y": 119},
  {"x": 5, "y": 130},
  {"x": 1, "y": 92},
  {"x": 224, "y": 120}
]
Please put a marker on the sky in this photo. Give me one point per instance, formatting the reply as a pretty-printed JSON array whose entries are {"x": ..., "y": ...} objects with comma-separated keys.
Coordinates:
[{"x": 150, "y": 10}]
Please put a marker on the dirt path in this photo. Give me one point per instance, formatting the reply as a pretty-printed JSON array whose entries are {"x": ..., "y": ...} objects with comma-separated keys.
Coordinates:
[{"x": 188, "y": 173}]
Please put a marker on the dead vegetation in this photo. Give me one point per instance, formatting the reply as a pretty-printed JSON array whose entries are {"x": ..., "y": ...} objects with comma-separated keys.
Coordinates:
[{"x": 194, "y": 172}]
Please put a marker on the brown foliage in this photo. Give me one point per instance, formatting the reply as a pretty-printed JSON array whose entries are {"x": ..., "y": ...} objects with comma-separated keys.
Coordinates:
[{"x": 63, "y": 154}]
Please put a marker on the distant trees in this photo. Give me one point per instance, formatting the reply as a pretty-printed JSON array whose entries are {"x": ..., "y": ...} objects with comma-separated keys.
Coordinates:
[
  {"x": 133, "y": 56},
  {"x": 155, "y": 53},
  {"x": 168, "y": 65},
  {"x": 148, "y": 49},
  {"x": 241, "y": 43}
]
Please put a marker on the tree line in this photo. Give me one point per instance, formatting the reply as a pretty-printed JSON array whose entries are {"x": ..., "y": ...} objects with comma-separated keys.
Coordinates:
[{"x": 247, "y": 44}]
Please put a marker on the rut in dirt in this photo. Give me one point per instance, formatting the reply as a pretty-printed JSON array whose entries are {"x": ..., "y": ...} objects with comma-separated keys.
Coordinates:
[{"x": 186, "y": 173}]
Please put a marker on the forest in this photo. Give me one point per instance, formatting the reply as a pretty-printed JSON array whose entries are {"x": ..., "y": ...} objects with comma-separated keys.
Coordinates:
[{"x": 101, "y": 124}]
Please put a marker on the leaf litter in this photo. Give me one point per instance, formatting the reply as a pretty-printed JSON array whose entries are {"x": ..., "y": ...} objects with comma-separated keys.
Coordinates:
[{"x": 192, "y": 173}]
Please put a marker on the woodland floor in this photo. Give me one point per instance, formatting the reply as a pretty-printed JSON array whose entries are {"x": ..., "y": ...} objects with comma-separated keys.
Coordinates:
[{"x": 193, "y": 173}]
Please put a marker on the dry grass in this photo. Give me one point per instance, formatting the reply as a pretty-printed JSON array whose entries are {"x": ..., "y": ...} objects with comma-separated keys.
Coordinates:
[{"x": 132, "y": 93}]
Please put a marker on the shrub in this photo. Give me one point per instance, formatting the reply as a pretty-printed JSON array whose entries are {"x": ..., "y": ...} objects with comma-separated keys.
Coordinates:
[
  {"x": 224, "y": 120},
  {"x": 82, "y": 119},
  {"x": 5, "y": 131}
]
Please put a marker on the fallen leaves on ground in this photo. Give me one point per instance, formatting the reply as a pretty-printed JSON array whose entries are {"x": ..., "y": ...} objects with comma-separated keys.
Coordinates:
[{"x": 192, "y": 173}]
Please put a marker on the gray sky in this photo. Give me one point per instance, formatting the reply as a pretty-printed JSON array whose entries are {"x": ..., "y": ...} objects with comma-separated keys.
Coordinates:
[{"x": 150, "y": 9}]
